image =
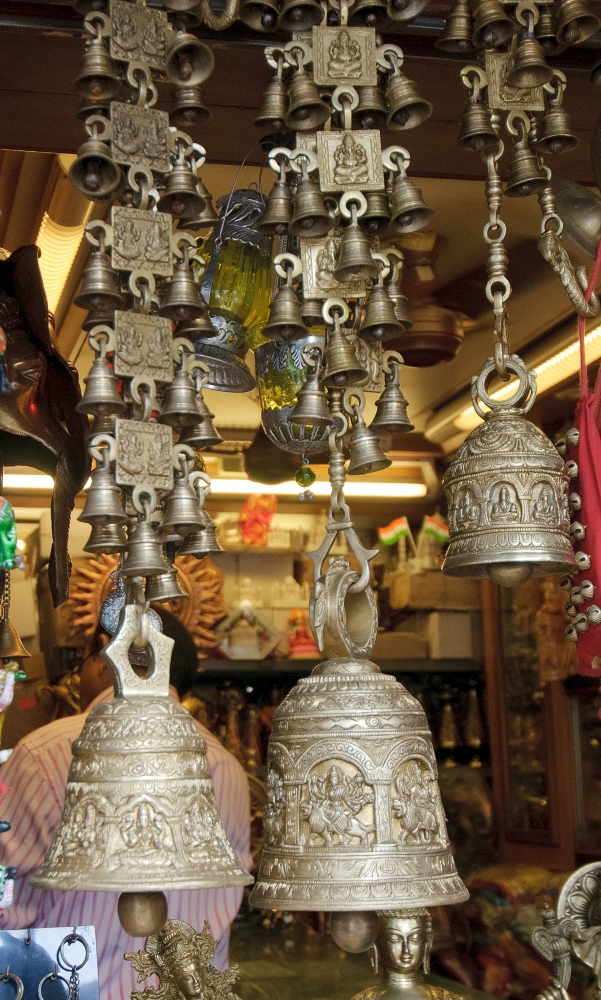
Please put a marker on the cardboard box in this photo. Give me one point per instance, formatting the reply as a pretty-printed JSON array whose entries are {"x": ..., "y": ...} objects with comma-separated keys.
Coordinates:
[
  {"x": 432, "y": 590},
  {"x": 400, "y": 646}
]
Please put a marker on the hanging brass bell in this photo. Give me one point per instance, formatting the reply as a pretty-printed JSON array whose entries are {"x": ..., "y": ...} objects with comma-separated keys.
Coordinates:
[
  {"x": 371, "y": 112},
  {"x": 299, "y": 15},
  {"x": 380, "y": 322},
  {"x": 201, "y": 543},
  {"x": 391, "y": 416},
  {"x": 285, "y": 318},
  {"x": 180, "y": 407},
  {"x": 492, "y": 26},
  {"x": 97, "y": 317},
  {"x": 183, "y": 300},
  {"x": 260, "y": 15},
  {"x": 409, "y": 210},
  {"x": 556, "y": 134},
  {"x": 103, "y": 504},
  {"x": 355, "y": 255},
  {"x": 106, "y": 539},
  {"x": 507, "y": 492},
  {"x": 306, "y": 110},
  {"x": 377, "y": 215},
  {"x": 189, "y": 61},
  {"x": 477, "y": 132},
  {"x": 203, "y": 434},
  {"x": 366, "y": 454},
  {"x": 311, "y": 407},
  {"x": 368, "y": 13},
  {"x": 144, "y": 552},
  {"x": 11, "y": 647},
  {"x": 525, "y": 174},
  {"x": 458, "y": 30},
  {"x": 399, "y": 301},
  {"x": 88, "y": 107},
  {"x": 406, "y": 109},
  {"x": 207, "y": 218},
  {"x": 94, "y": 173},
  {"x": 545, "y": 31},
  {"x": 101, "y": 397},
  {"x": 575, "y": 22},
  {"x": 278, "y": 211},
  {"x": 530, "y": 68},
  {"x": 164, "y": 588},
  {"x": 181, "y": 198},
  {"x": 405, "y": 10},
  {"x": 188, "y": 107},
  {"x": 98, "y": 287},
  {"x": 311, "y": 312},
  {"x": 274, "y": 105},
  {"x": 199, "y": 328},
  {"x": 97, "y": 80},
  {"x": 310, "y": 215},
  {"x": 342, "y": 366}
]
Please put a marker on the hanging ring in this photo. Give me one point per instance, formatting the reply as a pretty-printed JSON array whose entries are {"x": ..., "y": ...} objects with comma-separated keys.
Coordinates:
[
  {"x": 144, "y": 86},
  {"x": 383, "y": 260},
  {"x": 353, "y": 198},
  {"x": 140, "y": 170},
  {"x": 523, "y": 397},
  {"x": 275, "y": 53},
  {"x": 72, "y": 939},
  {"x": 309, "y": 157},
  {"x": 197, "y": 364},
  {"x": 498, "y": 279},
  {"x": 179, "y": 240},
  {"x": 340, "y": 306},
  {"x": 179, "y": 452},
  {"x": 178, "y": 139},
  {"x": 98, "y": 454},
  {"x": 298, "y": 54},
  {"x": 525, "y": 11},
  {"x": 106, "y": 129},
  {"x": 349, "y": 92},
  {"x": 140, "y": 276},
  {"x": 285, "y": 153},
  {"x": 137, "y": 499},
  {"x": 53, "y": 976},
  {"x": 136, "y": 385},
  {"x": 391, "y": 156},
  {"x": 96, "y": 17},
  {"x": 200, "y": 158},
  {"x": 389, "y": 57},
  {"x": 102, "y": 339},
  {"x": 559, "y": 87},
  {"x": 353, "y": 392},
  {"x": 179, "y": 346},
  {"x": 515, "y": 116},
  {"x": 104, "y": 227},
  {"x": 197, "y": 476},
  {"x": 467, "y": 78},
  {"x": 391, "y": 358},
  {"x": 294, "y": 269},
  {"x": 497, "y": 226},
  {"x": 17, "y": 982}
]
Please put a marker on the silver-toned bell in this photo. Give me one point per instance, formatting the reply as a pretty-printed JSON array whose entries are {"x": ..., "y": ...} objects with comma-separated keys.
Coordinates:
[
  {"x": 477, "y": 132},
  {"x": 181, "y": 197},
  {"x": 98, "y": 287},
  {"x": 342, "y": 366},
  {"x": 310, "y": 216},
  {"x": 183, "y": 300},
  {"x": 376, "y": 217},
  {"x": 199, "y": 328},
  {"x": 106, "y": 539},
  {"x": 203, "y": 542},
  {"x": 311, "y": 407},
  {"x": 391, "y": 407},
  {"x": 285, "y": 318},
  {"x": 101, "y": 397},
  {"x": 182, "y": 513},
  {"x": 145, "y": 555},
  {"x": 366, "y": 453},
  {"x": 393, "y": 285},
  {"x": 180, "y": 407},
  {"x": 278, "y": 211},
  {"x": 508, "y": 516},
  {"x": 94, "y": 172},
  {"x": 405, "y": 10},
  {"x": 189, "y": 61},
  {"x": 530, "y": 68},
  {"x": 274, "y": 106},
  {"x": 579, "y": 208},
  {"x": 379, "y": 321},
  {"x": 368, "y": 13},
  {"x": 188, "y": 107},
  {"x": 556, "y": 134},
  {"x": 103, "y": 504},
  {"x": 526, "y": 176},
  {"x": 203, "y": 434},
  {"x": 299, "y": 15},
  {"x": 355, "y": 257},
  {"x": 208, "y": 217},
  {"x": 164, "y": 588},
  {"x": 97, "y": 80}
]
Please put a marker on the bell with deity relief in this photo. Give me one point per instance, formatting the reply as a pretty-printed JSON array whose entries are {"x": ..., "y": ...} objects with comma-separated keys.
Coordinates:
[{"x": 507, "y": 491}]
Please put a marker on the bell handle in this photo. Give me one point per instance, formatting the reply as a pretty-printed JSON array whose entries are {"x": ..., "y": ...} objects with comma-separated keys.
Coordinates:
[
  {"x": 197, "y": 476},
  {"x": 299, "y": 54},
  {"x": 340, "y": 306},
  {"x": 106, "y": 129},
  {"x": 180, "y": 142},
  {"x": 526, "y": 14},
  {"x": 140, "y": 79},
  {"x": 517, "y": 116},
  {"x": 356, "y": 198},
  {"x": 136, "y": 385},
  {"x": 391, "y": 358},
  {"x": 297, "y": 156},
  {"x": 274, "y": 54},
  {"x": 126, "y": 681},
  {"x": 383, "y": 260},
  {"x": 353, "y": 392},
  {"x": 179, "y": 346},
  {"x": 391, "y": 156},
  {"x": 294, "y": 269},
  {"x": 179, "y": 240},
  {"x": 197, "y": 364},
  {"x": 285, "y": 153},
  {"x": 111, "y": 448},
  {"x": 98, "y": 24},
  {"x": 179, "y": 453},
  {"x": 137, "y": 499},
  {"x": 97, "y": 225},
  {"x": 341, "y": 92},
  {"x": 144, "y": 187},
  {"x": 312, "y": 356},
  {"x": 102, "y": 339},
  {"x": 142, "y": 286},
  {"x": 389, "y": 57},
  {"x": 523, "y": 397}
]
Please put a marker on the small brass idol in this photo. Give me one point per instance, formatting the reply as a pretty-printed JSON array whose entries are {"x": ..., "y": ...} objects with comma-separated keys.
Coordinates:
[
  {"x": 403, "y": 947},
  {"x": 180, "y": 959}
]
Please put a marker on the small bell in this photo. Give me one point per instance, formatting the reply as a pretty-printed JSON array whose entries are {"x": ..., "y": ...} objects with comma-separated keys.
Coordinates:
[
  {"x": 368, "y": 14},
  {"x": 492, "y": 26},
  {"x": 183, "y": 300},
  {"x": 98, "y": 287},
  {"x": 201, "y": 543},
  {"x": 299, "y": 15},
  {"x": 377, "y": 215},
  {"x": 103, "y": 504},
  {"x": 97, "y": 80},
  {"x": 342, "y": 366},
  {"x": 188, "y": 107},
  {"x": 144, "y": 552},
  {"x": 180, "y": 408},
  {"x": 311, "y": 312},
  {"x": 405, "y": 10},
  {"x": 556, "y": 134},
  {"x": 106, "y": 539},
  {"x": 380, "y": 322},
  {"x": 11, "y": 647},
  {"x": 180, "y": 197},
  {"x": 477, "y": 132},
  {"x": 529, "y": 67},
  {"x": 355, "y": 257},
  {"x": 203, "y": 434},
  {"x": 391, "y": 416},
  {"x": 306, "y": 111},
  {"x": 101, "y": 397},
  {"x": 545, "y": 31},
  {"x": 199, "y": 328},
  {"x": 88, "y": 107},
  {"x": 366, "y": 454},
  {"x": 260, "y": 15},
  {"x": 208, "y": 217},
  {"x": 274, "y": 105},
  {"x": 98, "y": 317},
  {"x": 525, "y": 174},
  {"x": 189, "y": 61},
  {"x": 406, "y": 109},
  {"x": 164, "y": 587},
  {"x": 311, "y": 407},
  {"x": 393, "y": 285},
  {"x": 310, "y": 215},
  {"x": 575, "y": 22},
  {"x": 458, "y": 30},
  {"x": 371, "y": 112},
  {"x": 278, "y": 211},
  {"x": 94, "y": 173},
  {"x": 285, "y": 318},
  {"x": 408, "y": 208}
]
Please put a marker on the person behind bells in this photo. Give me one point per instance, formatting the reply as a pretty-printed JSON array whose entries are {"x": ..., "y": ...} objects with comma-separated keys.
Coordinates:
[{"x": 403, "y": 947}]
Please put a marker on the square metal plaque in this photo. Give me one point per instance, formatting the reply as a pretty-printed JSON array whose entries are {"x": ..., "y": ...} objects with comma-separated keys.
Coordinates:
[
  {"x": 140, "y": 135},
  {"x": 502, "y": 97},
  {"x": 344, "y": 57},
  {"x": 144, "y": 454},
  {"x": 350, "y": 160},
  {"x": 141, "y": 240},
  {"x": 319, "y": 256},
  {"x": 143, "y": 346},
  {"x": 369, "y": 354},
  {"x": 139, "y": 34}
]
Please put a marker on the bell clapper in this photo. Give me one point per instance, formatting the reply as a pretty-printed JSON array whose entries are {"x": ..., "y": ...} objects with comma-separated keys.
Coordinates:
[{"x": 142, "y": 913}]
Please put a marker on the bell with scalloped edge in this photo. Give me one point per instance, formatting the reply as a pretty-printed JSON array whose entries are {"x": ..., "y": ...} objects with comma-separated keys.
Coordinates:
[{"x": 507, "y": 491}]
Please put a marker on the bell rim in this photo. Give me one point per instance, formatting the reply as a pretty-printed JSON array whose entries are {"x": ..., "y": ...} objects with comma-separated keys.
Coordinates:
[
  {"x": 170, "y": 883},
  {"x": 466, "y": 567},
  {"x": 391, "y": 902}
]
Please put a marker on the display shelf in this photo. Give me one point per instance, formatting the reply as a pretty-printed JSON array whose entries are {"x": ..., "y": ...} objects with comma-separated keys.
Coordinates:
[{"x": 397, "y": 666}]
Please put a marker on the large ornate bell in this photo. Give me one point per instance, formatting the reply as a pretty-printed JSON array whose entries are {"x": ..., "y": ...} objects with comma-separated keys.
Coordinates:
[
  {"x": 189, "y": 61},
  {"x": 575, "y": 22},
  {"x": 299, "y": 15},
  {"x": 188, "y": 107},
  {"x": 260, "y": 15},
  {"x": 278, "y": 212},
  {"x": 366, "y": 454},
  {"x": 371, "y": 112},
  {"x": 140, "y": 811},
  {"x": 180, "y": 407},
  {"x": 103, "y": 504},
  {"x": 183, "y": 300},
  {"x": 406, "y": 109},
  {"x": 144, "y": 552},
  {"x": 98, "y": 287},
  {"x": 408, "y": 208},
  {"x": 342, "y": 830},
  {"x": 109, "y": 538},
  {"x": 391, "y": 416},
  {"x": 310, "y": 217},
  {"x": 97, "y": 80},
  {"x": 507, "y": 490},
  {"x": 94, "y": 172},
  {"x": 458, "y": 30},
  {"x": 492, "y": 26},
  {"x": 306, "y": 111},
  {"x": 181, "y": 198}
]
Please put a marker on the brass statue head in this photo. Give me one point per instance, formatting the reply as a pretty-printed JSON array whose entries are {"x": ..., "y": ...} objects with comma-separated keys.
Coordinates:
[{"x": 404, "y": 942}]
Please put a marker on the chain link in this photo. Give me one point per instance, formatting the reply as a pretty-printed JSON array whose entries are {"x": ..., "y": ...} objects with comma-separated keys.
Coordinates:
[{"x": 498, "y": 288}]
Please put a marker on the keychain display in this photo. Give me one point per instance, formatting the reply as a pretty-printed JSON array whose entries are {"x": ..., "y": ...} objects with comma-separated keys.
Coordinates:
[{"x": 32, "y": 959}]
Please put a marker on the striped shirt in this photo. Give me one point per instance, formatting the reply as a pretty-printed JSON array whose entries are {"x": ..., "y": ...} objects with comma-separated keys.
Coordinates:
[{"x": 37, "y": 773}]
